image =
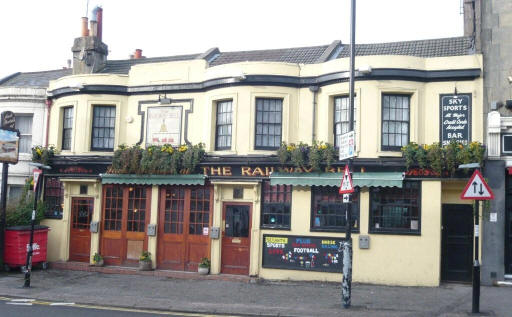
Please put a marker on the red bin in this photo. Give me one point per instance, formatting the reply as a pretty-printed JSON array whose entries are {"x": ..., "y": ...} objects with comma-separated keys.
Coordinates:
[{"x": 16, "y": 245}]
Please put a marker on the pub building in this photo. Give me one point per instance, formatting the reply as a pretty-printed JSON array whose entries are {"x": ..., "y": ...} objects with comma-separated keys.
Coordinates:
[{"x": 242, "y": 208}]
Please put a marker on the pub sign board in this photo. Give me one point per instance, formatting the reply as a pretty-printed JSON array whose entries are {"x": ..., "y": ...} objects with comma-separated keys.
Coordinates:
[
  {"x": 455, "y": 118},
  {"x": 9, "y": 146},
  {"x": 306, "y": 253},
  {"x": 8, "y": 120},
  {"x": 164, "y": 125}
]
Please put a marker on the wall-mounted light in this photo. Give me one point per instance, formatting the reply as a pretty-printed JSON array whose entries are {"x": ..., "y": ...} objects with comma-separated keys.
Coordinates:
[
  {"x": 76, "y": 86},
  {"x": 364, "y": 70},
  {"x": 164, "y": 100}
]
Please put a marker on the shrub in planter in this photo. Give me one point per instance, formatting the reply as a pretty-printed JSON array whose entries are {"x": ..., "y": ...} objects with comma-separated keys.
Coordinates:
[
  {"x": 43, "y": 154},
  {"x": 19, "y": 213},
  {"x": 204, "y": 266},
  {"x": 97, "y": 259},
  {"x": 145, "y": 261}
]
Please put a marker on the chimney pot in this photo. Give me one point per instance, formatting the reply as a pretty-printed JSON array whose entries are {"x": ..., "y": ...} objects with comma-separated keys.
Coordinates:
[
  {"x": 85, "y": 30},
  {"x": 94, "y": 28},
  {"x": 138, "y": 53}
]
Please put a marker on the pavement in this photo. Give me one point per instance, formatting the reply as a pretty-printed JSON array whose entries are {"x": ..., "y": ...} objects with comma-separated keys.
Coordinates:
[{"x": 252, "y": 297}]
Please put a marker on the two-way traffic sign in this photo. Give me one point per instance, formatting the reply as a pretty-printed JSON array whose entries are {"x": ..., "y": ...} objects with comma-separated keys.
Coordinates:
[
  {"x": 346, "y": 183},
  {"x": 477, "y": 188}
]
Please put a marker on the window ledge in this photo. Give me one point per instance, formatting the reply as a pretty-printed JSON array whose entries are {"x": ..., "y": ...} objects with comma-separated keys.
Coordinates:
[
  {"x": 399, "y": 233},
  {"x": 354, "y": 230},
  {"x": 275, "y": 228},
  {"x": 389, "y": 154}
]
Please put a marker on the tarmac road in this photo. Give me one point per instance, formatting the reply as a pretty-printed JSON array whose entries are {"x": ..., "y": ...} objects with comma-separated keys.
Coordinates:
[{"x": 21, "y": 307}]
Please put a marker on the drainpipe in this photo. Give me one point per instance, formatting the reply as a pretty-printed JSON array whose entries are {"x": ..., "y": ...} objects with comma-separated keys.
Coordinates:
[
  {"x": 48, "y": 103},
  {"x": 314, "y": 90}
]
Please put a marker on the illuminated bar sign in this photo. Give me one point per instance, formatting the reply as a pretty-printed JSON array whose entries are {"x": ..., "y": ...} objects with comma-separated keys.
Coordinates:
[
  {"x": 305, "y": 253},
  {"x": 455, "y": 118}
]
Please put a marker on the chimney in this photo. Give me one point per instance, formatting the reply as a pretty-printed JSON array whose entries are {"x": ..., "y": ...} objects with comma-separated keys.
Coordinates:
[
  {"x": 472, "y": 21},
  {"x": 85, "y": 30},
  {"x": 89, "y": 52},
  {"x": 99, "y": 19},
  {"x": 138, "y": 53}
]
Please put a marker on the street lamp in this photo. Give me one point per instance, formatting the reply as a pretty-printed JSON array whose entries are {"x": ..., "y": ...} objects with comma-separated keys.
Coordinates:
[{"x": 28, "y": 265}]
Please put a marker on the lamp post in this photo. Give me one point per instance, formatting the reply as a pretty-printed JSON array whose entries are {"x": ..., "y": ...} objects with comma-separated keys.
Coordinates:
[
  {"x": 346, "y": 284},
  {"x": 37, "y": 187}
]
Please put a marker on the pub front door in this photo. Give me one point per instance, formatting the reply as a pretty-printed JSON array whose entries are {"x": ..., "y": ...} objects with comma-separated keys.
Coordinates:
[
  {"x": 457, "y": 243},
  {"x": 236, "y": 238},
  {"x": 184, "y": 220},
  {"x": 80, "y": 236},
  {"x": 125, "y": 216}
]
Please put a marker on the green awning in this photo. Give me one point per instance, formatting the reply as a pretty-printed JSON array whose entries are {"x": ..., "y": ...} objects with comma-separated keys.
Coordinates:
[
  {"x": 370, "y": 179},
  {"x": 133, "y": 179}
]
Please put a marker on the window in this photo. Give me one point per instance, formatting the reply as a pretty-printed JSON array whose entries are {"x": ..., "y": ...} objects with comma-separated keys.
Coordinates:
[
  {"x": 53, "y": 197},
  {"x": 223, "y": 125},
  {"x": 329, "y": 212},
  {"x": 395, "y": 210},
  {"x": 103, "y": 128},
  {"x": 276, "y": 206},
  {"x": 268, "y": 123},
  {"x": 395, "y": 122},
  {"x": 67, "y": 127},
  {"x": 342, "y": 118},
  {"x": 24, "y": 125},
  {"x": 15, "y": 193}
]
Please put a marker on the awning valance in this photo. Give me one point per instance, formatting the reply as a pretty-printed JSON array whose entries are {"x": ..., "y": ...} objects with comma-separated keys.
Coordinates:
[
  {"x": 370, "y": 179},
  {"x": 133, "y": 179}
]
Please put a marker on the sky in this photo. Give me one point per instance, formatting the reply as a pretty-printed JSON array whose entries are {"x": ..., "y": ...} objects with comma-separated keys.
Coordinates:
[{"x": 37, "y": 35}]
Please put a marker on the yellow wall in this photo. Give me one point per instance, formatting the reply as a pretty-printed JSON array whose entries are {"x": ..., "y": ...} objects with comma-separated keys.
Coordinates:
[
  {"x": 297, "y": 102},
  {"x": 391, "y": 259},
  {"x": 58, "y": 238}
]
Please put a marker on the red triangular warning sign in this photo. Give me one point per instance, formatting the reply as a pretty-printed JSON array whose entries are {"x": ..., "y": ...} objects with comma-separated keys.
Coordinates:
[
  {"x": 477, "y": 188},
  {"x": 346, "y": 183}
]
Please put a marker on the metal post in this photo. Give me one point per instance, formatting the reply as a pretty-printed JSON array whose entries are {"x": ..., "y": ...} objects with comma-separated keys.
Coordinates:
[
  {"x": 475, "y": 308},
  {"x": 5, "y": 171},
  {"x": 346, "y": 284},
  {"x": 28, "y": 265}
]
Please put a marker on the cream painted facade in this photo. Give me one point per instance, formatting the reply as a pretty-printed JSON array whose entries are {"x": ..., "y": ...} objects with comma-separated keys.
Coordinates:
[{"x": 394, "y": 259}]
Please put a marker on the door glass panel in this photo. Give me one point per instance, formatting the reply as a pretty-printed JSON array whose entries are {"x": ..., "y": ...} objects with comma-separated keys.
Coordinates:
[
  {"x": 113, "y": 208},
  {"x": 237, "y": 221},
  {"x": 136, "y": 209},
  {"x": 199, "y": 210},
  {"x": 174, "y": 205},
  {"x": 82, "y": 212}
]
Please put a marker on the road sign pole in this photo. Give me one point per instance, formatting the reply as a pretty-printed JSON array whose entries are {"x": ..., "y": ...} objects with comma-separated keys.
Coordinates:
[{"x": 475, "y": 307}]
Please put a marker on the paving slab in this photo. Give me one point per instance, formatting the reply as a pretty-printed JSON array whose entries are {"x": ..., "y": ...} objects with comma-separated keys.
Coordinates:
[{"x": 261, "y": 297}]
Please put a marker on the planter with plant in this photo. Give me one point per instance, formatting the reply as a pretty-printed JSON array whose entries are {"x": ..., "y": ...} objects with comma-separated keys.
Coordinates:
[
  {"x": 145, "y": 263},
  {"x": 97, "y": 259},
  {"x": 204, "y": 266}
]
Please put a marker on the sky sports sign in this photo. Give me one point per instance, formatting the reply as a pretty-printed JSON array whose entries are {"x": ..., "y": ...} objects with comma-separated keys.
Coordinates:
[{"x": 455, "y": 118}]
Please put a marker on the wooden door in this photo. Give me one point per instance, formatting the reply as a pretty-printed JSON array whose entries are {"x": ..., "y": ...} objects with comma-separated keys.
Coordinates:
[
  {"x": 236, "y": 238},
  {"x": 457, "y": 243},
  {"x": 184, "y": 222},
  {"x": 80, "y": 236},
  {"x": 508, "y": 226},
  {"x": 126, "y": 211}
]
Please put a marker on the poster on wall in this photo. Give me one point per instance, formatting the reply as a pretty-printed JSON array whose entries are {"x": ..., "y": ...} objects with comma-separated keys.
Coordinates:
[
  {"x": 164, "y": 125},
  {"x": 305, "y": 253},
  {"x": 9, "y": 145},
  {"x": 455, "y": 118}
]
